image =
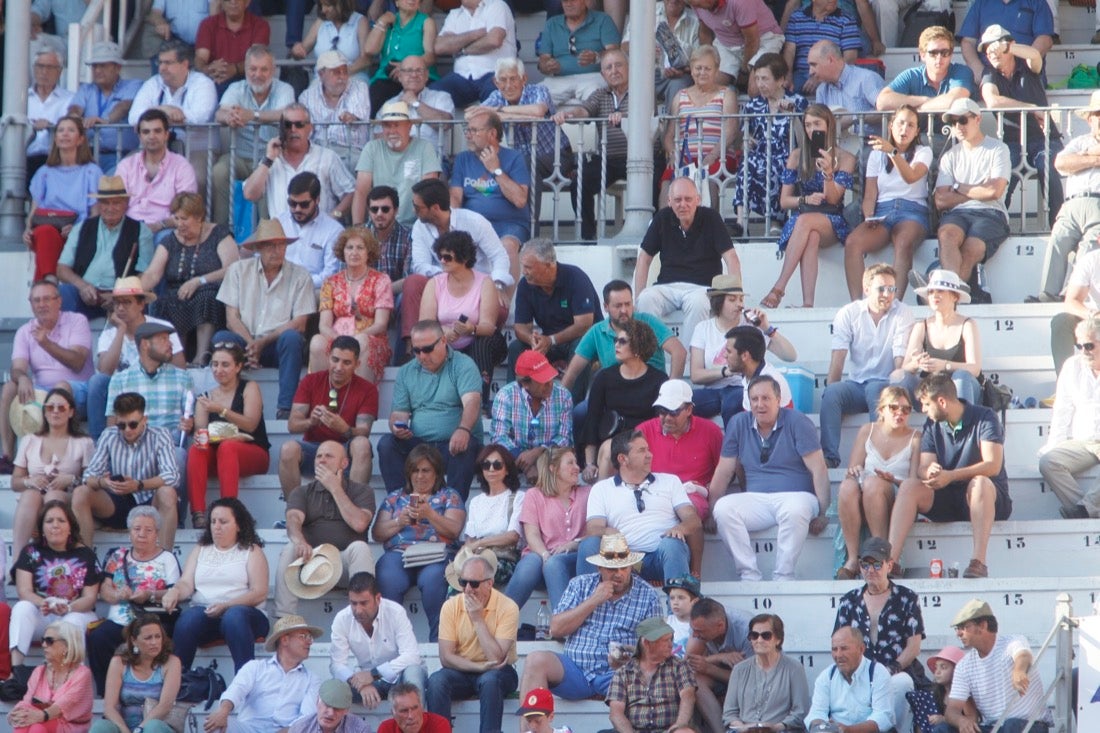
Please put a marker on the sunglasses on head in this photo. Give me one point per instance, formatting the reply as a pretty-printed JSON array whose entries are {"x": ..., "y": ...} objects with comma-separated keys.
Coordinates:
[
  {"x": 475, "y": 584},
  {"x": 765, "y": 635},
  {"x": 226, "y": 345},
  {"x": 1087, "y": 346},
  {"x": 299, "y": 204},
  {"x": 381, "y": 209},
  {"x": 665, "y": 412},
  {"x": 495, "y": 465},
  {"x": 296, "y": 124},
  {"x": 869, "y": 564},
  {"x": 131, "y": 425},
  {"x": 426, "y": 349}
]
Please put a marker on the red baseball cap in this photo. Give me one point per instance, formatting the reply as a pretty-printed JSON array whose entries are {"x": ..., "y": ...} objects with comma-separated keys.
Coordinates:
[
  {"x": 535, "y": 365},
  {"x": 539, "y": 701}
]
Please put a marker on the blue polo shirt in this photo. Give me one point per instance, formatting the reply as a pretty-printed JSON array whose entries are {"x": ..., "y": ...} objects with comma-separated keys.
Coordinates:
[
  {"x": 481, "y": 190},
  {"x": 914, "y": 81},
  {"x": 961, "y": 445},
  {"x": 793, "y": 437},
  {"x": 94, "y": 103},
  {"x": 595, "y": 33},
  {"x": 572, "y": 295},
  {"x": 1024, "y": 19},
  {"x": 598, "y": 343}
]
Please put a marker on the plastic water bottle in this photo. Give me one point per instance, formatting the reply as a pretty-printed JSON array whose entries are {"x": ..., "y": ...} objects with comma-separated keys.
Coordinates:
[{"x": 542, "y": 622}]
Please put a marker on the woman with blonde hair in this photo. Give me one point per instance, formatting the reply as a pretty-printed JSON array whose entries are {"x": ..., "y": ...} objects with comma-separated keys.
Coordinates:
[
  {"x": 553, "y": 519},
  {"x": 818, "y": 174},
  {"x": 59, "y": 692}
]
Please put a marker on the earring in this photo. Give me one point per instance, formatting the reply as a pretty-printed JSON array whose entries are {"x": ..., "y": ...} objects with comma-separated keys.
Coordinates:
[{"x": 136, "y": 650}]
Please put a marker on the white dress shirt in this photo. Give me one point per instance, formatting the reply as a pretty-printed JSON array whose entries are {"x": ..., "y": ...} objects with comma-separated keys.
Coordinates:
[
  {"x": 391, "y": 649},
  {"x": 871, "y": 347},
  {"x": 313, "y": 250},
  {"x": 492, "y": 258},
  {"x": 1076, "y": 404}
]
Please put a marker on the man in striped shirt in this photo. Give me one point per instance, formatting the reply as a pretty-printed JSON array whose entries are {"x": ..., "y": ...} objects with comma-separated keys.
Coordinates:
[{"x": 134, "y": 464}]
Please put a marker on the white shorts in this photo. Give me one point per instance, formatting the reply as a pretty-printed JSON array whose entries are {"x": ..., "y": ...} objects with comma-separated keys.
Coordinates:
[{"x": 732, "y": 58}]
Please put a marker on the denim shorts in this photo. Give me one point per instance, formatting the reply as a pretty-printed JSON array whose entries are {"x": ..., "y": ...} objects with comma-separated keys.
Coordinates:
[
  {"x": 900, "y": 210},
  {"x": 988, "y": 225},
  {"x": 522, "y": 232}
]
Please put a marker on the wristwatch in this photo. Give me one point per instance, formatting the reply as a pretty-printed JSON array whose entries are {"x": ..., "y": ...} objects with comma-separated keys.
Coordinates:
[
  {"x": 497, "y": 172},
  {"x": 955, "y": 187},
  {"x": 141, "y": 485},
  {"x": 415, "y": 105}
]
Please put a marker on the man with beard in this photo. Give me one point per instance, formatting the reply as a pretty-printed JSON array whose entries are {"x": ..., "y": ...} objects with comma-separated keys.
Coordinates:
[
  {"x": 315, "y": 230},
  {"x": 258, "y": 98},
  {"x": 395, "y": 159},
  {"x": 290, "y": 153}
]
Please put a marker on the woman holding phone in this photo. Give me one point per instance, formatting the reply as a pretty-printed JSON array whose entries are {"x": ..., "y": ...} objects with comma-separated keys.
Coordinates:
[
  {"x": 895, "y": 200},
  {"x": 818, "y": 175}
]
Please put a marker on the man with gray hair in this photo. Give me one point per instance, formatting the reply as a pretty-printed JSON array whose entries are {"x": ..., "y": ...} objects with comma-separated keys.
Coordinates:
[
  {"x": 106, "y": 100},
  {"x": 426, "y": 105},
  {"x": 252, "y": 108},
  {"x": 47, "y": 102},
  {"x": 338, "y": 102},
  {"x": 556, "y": 304},
  {"x": 477, "y": 643}
]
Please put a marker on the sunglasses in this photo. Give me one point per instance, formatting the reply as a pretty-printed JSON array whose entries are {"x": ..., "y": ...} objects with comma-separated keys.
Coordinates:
[
  {"x": 573, "y": 45},
  {"x": 381, "y": 209},
  {"x": 475, "y": 584},
  {"x": 939, "y": 52},
  {"x": 49, "y": 640},
  {"x": 226, "y": 345},
  {"x": 765, "y": 451},
  {"x": 615, "y": 555},
  {"x": 875, "y": 564},
  {"x": 622, "y": 341},
  {"x": 638, "y": 501},
  {"x": 1087, "y": 347},
  {"x": 296, "y": 124},
  {"x": 299, "y": 204},
  {"x": 765, "y": 635},
  {"x": 132, "y": 425},
  {"x": 953, "y": 121},
  {"x": 492, "y": 465},
  {"x": 446, "y": 257},
  {"x": 55, "y": 407},
  {"x": 884, "y": 289},
  {"x": 665, "y": 412},
  {"x": 903, "y": 409},
  {"x": 426, "y": 349}
]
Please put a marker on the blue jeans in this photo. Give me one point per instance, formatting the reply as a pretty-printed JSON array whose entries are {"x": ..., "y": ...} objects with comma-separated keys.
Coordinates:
[
  {"x": 459, "y": 469},
  {"x": 73, "y": 303},
  {"x": 966, "y": 384},
  {"x": 727, "y": 401},
  {"x": 285, "y": 353},
  {"x": 394, "y": 579},
  {"x": 1037, "y": 159},
  {"x": 238, "y": 627},
  {"x": 845, "y": 398},
  {"x": 531, "y": 572},
  {"x": 97, "y": 404},
  {"x": 414, "y": 674},
  {"x": 490, "y": 687},
  {"x": 465, "y": 91},
  {"x": 669, "y": 560}
]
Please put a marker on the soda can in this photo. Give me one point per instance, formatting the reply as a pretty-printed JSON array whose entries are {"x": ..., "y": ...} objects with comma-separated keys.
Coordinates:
[
  {"x": 202, "y": 438},
  {"x": 935, "y": 568}
]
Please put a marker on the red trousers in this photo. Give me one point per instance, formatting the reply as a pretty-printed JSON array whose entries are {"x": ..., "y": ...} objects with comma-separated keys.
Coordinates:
[
  {"x": 229, "y": 461},
  {"x": 47, "y": 250}
]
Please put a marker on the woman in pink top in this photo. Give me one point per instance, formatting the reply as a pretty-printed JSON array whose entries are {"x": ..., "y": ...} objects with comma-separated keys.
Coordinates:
[
  {"x": 553, "y": 518},
  {"x": 59, "y": 693},
  {"x": 465, "y": 303}
]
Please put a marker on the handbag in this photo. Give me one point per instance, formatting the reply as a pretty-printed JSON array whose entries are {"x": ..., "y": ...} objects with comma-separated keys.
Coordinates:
[
  {"x": 201, "y": 684},
  {"x": 176, "y": 719},
  {"x": 59, "y": 218},
  {"x": 420, "y": 554},
  {"x": 827, "y": 209},
  {"x": 167, "y": 620}
]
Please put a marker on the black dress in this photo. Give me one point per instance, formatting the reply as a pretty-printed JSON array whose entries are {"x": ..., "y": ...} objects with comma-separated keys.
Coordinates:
[{"x": 183, "y": 264}]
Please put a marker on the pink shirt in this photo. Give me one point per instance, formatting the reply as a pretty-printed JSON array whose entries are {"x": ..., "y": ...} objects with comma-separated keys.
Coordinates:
[
  {"x": 149, "y": 200},
  {"x": 74, "y": 697},
  {"x": 691, "y": 458},
  {"x": 72, "y": 329},
  {"x": 731, "y": 16},
  {"x": 556, "y": 524},
  {"x": 449, "y": 308}
]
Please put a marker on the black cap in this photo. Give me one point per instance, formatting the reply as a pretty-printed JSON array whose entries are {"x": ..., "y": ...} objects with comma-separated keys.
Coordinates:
[{"x": 150, "y": 329}]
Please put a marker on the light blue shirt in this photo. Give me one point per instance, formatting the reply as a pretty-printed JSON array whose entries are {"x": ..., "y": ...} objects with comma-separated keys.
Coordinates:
[
  {"x": 101, "y": 270},
  {"x": 265, "y": 697},
  {"x": 184, "y": 16},
  {"x": 850, "y": 703},
  {"x": 93, "y": 103},
  {"x": 856, "y": 91},
  {"x": 240, "y": 94}
]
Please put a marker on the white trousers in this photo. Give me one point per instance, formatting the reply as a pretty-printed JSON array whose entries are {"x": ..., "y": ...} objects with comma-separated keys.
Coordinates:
[
  {"x": 28, "y": 623},
  {"x": 738, "y": 514},
  {"x": 571, "y": 87},
  {"x": 661, "y": 300},
  {"x": 900, "y": 684}
]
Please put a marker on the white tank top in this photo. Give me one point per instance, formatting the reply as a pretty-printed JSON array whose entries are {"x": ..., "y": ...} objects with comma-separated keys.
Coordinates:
[{"x": 220, "y": 575}]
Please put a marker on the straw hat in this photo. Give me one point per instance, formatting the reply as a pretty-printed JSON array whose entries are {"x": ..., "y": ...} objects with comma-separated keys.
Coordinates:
[
  {"x": 287, "y": 624},
  {"x": 27, "y": 419},
  {"x": 615, "y": 553},
  {"x": 268, "y": 231},
  {"x": 315, "y": 577},
  {"x": 945, "y": 280},
  {"x": 110, "y": 187},
  {"x": 455, "y": 567},
  {"x": 724, "y": 285},
  {"x": 394, "y": 110},
  {"x": 1092, "y": 108},
  {"x": 131, "y": 286}
]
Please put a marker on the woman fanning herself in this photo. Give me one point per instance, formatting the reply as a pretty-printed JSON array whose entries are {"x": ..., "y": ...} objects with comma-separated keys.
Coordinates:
[
  {"x": 885, "y": 453},
  {"x": 895, "y": 200},
  {"x": 818, "y": 174}
]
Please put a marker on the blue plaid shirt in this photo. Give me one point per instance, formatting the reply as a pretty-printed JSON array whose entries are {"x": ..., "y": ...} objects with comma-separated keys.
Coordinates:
[
  {"x": 517, "y": 429},
  {"x": 152, "y": 454},
  {"x": 611, "y": 621},
  {"x": 521, "y": 131},
  {"x": 163, "y": 391},
  {"x": 395, "y": 256}
]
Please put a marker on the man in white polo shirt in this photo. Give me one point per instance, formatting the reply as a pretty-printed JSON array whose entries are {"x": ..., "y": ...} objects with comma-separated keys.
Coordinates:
[{"x": 476, "y": 33}]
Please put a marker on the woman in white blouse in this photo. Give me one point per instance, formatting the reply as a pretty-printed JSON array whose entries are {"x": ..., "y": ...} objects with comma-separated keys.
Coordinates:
[{"x": 492, "y": 518}]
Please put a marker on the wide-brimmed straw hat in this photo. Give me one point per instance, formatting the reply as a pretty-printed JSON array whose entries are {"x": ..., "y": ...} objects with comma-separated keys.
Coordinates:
[
  {"x": 1092, "y": 108},
  {"x": 454, "y": 568},
  {"x": 724, "y": 285},
  {"x": 615, "y": 553},
  {"x": 287, "y": 624},
  {"x": 316, "y": 576},
  {"x": 110, "y": 187},
  {"x": 27, "y": 419},
  {"x": 268, "y": 231},
  {"x": 131, "y": 285}
]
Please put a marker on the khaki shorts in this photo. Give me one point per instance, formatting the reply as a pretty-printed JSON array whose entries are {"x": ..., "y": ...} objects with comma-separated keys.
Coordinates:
[{"x": 731, "y": 58}]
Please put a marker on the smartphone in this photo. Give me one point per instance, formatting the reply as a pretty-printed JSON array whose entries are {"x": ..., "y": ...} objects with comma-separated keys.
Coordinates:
[
  {"x": 117, "y": 477},
  {"x": 463, "y": 318},
  {"x": 876, "y": 219},
  {"x": 40, "y": 704},
  {"x": 817, "y": 142},
  {"x": 283, "y": 132}
]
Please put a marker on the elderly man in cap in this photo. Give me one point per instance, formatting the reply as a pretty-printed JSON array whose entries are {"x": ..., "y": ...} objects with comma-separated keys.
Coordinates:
[
  {"x": 373, "y": 647},
  {"x": 409, "y": 715},
  {"x": 854, "y": 693},
  {"x": 994, "y": 665},
  {"x": 537, "y": 709},
  {"x": 1013, "y": 78},
  {"x": 1033, "y": 22},
  {"x": 332, "y": 510},
  {"x": 134, "y": 464},
  {"x": 106, "y": 100},
  {"x": 395, "y": 159},
  {"x": 102, "y": 249},
  {"x": 651, "y": 510},
  {"x": 597, "y": 608},
  {"x": 970, "y": 189},
  {"x": 53, "y": 349},
  {"x": 654, "y": 690},
  {"x": 336, "y": 102},
  {"x": 477, "y": 643},
  {"x": 872, "y": 335},
  {"x": 271, "y": 693},
  {"x": 333, "y": 703},
  {"x": 961, "y": 476},
  {"x": 1077, "y": 226},
  {"x": 251, "y": 108},
  {"x": 267, "y": 301},
  {"x": 532, "y": 414}
]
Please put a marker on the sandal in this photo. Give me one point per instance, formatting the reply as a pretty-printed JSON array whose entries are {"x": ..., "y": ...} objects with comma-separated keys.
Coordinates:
[
  {"x": 198, "y": 520},
  {"x": 773, "y": 298}
]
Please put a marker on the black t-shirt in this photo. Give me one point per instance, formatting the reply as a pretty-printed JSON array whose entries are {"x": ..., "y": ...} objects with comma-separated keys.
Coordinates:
[
  {"x": 60, "y": 574},
  {"x": 694, "y": 256},
  {"x": 1024, "y": 86}
]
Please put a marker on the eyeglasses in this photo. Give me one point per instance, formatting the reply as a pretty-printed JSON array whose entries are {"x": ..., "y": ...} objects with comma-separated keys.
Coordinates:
[
  {"x": 638, "y": 501},
  {"x": 665, "y": 412},
  {"x": 622, "y": 341},
  {"x": 49, "y": 640},
  {"x": 1087, "y": 347},
  {"x": 55, "y": 407},
  {"x": 765, "y": 635},
  {"x": 475, "y": 584},
  {"x": 446, "y": 257},
  {"x": 470, "y": 130},
  {"x": 413, "y": 72},
  {"x": 47, "y": 67},
  {"x": 296, "y": 124},
  {"x": 131, "y": 425},
  {"x": 615, "y": 555},
  {"x": 896, "y": 407},
  {"x": 381, "y": 209},
  {"x": 873, "y": 564},
  {"x": 426, "y": 349},
  {"x": 939, "y": 52},
  {"x": 884, "y": 289},
  {"x": 492, "y": 465},
  {"x": 299, "y": 204}
]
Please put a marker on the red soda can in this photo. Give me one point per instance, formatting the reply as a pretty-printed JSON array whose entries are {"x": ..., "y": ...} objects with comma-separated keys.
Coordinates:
[
  {"x": 202, "y": 438},
  {"x": 935, "y": 568}
]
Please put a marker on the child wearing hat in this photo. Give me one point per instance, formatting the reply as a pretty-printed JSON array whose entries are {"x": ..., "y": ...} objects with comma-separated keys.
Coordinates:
[
  {"x": 929, "y": 705},
  {"x": 682, "y": 592},
  {"x": 537, "y": 709}
]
